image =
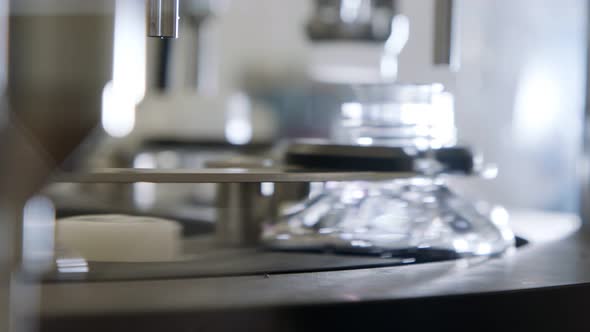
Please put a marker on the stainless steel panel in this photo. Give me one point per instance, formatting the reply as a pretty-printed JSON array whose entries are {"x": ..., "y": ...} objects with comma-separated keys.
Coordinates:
[{"x": 220, "y": 175}]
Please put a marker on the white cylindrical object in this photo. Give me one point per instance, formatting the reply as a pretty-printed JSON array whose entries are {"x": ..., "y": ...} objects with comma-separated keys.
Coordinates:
[{"x": 120, "y": 238}]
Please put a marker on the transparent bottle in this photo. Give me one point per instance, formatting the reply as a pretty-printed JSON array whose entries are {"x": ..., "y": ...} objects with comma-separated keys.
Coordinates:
[{"x": 418, "y": 217}]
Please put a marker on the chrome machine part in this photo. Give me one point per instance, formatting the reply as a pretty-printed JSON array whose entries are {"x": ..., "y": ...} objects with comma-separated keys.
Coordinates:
[
  {"x": 356, "y": 40},
  {"x": 179, "y": 65},
  {"x": 224, "y": 175},
  {"x": 375, "y": 31},
  {"x": 242, "y": 209},
  {"x": 163, "y": 18}
]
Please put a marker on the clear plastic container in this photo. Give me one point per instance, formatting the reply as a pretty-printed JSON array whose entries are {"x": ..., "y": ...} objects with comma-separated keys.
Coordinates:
[{"x": 404, "y": 217}]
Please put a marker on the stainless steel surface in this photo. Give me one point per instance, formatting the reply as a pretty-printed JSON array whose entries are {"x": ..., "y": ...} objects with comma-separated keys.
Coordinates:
[
  {"x": 241, "y": 210},
  {"x": 560, "y": 261},
  {"x": 444, "y": 33},
  {"x": 163, "y": 18},
  {"x": 220, "y": 175}
]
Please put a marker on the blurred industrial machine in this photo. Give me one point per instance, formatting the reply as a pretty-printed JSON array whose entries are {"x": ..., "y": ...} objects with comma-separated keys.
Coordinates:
[{"x": 293, "y": 165}]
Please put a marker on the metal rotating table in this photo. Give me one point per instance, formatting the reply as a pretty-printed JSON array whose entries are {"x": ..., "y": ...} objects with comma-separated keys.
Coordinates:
[{"x": 542, "y": 285}]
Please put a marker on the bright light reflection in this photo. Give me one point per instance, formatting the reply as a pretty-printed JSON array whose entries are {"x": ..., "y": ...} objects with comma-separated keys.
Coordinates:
[
  {"x": 238, "y": 122},
  {"x": 144, "y": 194},
  {"x": 72, "y": 265},
  {"x": 415, "y": 114},
  {"x": 38, "y": 233},
  {"x": 352, "y": 195},
  {"x": 400, "y": 33},
  {"x": 312, "y": 215},
  {"x": 121, "y": 96},
  {"x": 118, "y": 112},
  {"x": 364, "y": 141},
  {"x": 434, "y": 123},
  {"x": 538, "y": 103},
  {"x": 360, "y": 244},
  {"x": 483, "y": 249},
  {"x": 350, "y": 10},
  {"x": 443, "y": 118},
  {"x": 461, "y": 245},
  {"x": 352, "y": 110},
  {"x": 489, "y": 172},
  {"x": 267, "y": 188},
  {"x": 144, "y": 160},
  {"x": 499, "y": 216}
]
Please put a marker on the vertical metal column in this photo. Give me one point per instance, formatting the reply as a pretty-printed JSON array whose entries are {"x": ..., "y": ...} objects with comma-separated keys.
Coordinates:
[
  {"x": 163, "y": 18},
  {"x": 241, "y": 209}
]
